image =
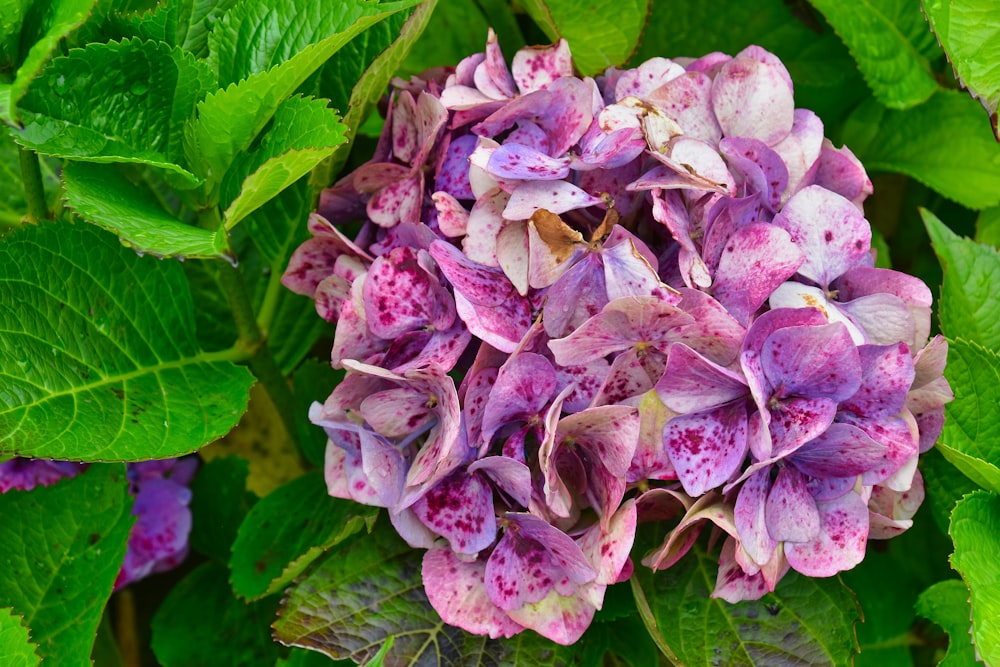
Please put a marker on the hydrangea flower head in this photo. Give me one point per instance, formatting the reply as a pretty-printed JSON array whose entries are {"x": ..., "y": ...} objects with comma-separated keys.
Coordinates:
[{"x": 577, "y": 304}]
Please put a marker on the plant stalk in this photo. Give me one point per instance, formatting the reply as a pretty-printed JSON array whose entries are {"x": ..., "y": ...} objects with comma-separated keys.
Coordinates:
[
  {"x": 34, "y": 190},
  {"x": 261, "y": 361}
]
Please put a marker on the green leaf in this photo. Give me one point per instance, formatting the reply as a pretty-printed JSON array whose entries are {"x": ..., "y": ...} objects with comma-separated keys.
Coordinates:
[
  {"x": 201, "y": 624},
  {"x": 99, "y": 353},
  {"x": 988, "y": 227},
  {"x": 969, "y": 307},
  {"x": 947, "y": 604},
  {"x": 289, "y": 529},
  {"x": 944, "y": 485},
  {"x": 604, "y": 35},
  {"x": 889, "y": 41},
  {"x": 971, "y": 436},
  {"x": 219, "y": 502},
  {"x": 370, "y": 590},
  {"x": 56, "y": 20},
  {"x": 276, "y": 46},
  {"x": 12, "y": 204},
  {"x": 63, "y": 547},
  {"x": 116, "y": 102},
  {"x": 941, "y": 143},
  {"x": 204, "y": 15},
  {"x": 805, "y": 621},
  {"x": 101, "y": 194},
  {"x": 970, "y": 35},
  {"x": 975, "y": 529},
  {"x": 16, "y": 647},
  {"x": 371, "y": 59},
  {"x": 458, "y": 28},
  {"x": 304, "y": 132}
]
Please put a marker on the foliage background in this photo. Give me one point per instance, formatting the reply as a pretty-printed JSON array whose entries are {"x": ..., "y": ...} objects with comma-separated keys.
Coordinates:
[{"x": 141, "y": 134}]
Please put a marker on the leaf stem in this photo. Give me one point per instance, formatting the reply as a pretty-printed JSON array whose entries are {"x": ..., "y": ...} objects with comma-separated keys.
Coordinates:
[
  {"x": 253, "y": 342},
  {"x": 34, "y": 190}
]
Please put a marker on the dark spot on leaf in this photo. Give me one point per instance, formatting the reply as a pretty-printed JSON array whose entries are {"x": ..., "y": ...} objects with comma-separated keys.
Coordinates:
[
  {"x": 94, "y": 537},
  {"x": 118, "y": 393}
]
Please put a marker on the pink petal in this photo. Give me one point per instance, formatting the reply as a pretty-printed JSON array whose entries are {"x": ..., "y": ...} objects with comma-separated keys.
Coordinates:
[
  {"x": 538, "y": 66},
  {"x": 648, "y": 76},
  {"x": 452, "y": 216},
  {"x": 692, "y": 383},
  {"x": 554, "y": 196},
  {"x": 841, "y": 542},
  {"x": 752, "y": 97},
  {"x": 790, "y": 511},
  {"x": 460, "y": 509},
  {"x": 687, "y": 100},
  {"x": 800, "y": 150},
  {"x": 750, "y": 518},
  {"x": 561, "y": 618},
  {"x": 514, "y": 161},
  {"x": 707, "y": 448},
  {"x": 816, "y": 362},
  {"x": 841, "y": 172}
]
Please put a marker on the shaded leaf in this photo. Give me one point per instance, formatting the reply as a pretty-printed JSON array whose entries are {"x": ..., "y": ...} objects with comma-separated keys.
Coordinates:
[
  {"x": 370, "y": 590},
  {"x": 102, "y": 195},
  {"x": 70, "y": 542},
  {"x": 201, "y": 624},
  {"x": 947, "y": 604},
  {"x": 44, "y": 32},
  {"x": 975, "y": 529},
  {"x": 603, "y": 36},
  {"x": 944, "y": 485},
  {"x": 314, "y": 381},
  {"x": 969, "y": 33},
  {"x": 941, "y": 143},
  {"x": 971, "y": 436},
  {"x": 988, "y": 227},
  {"x": 219, "y": 501},
  {"x": 889, "y": 41},
  {"x": 805, "y": 621},
  {"x": 99, "y": 353},
  {"x": 116, "y": 102},
  {"x": 12, "y": 204},
  {"x": 16, "y": 647},
  {"x": 289, "y": 529},
  {"x": 969, "y": 307}
]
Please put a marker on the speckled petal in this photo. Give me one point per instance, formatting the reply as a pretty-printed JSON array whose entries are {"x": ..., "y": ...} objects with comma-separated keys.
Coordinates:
[
  {"x": 608, "y": 548},
  {"x": 758, "y": 169},
  {"x": 460, "y": 509},
  {"x": 514, "y": 161},
  {"x": 842, "y": 451},
  {"x": 800, "y": 151},
  {"x": 814, "y": 362},
  {"x": 687, "y": 99},
  {"x": 536, "y": 67},
  {"x": 752, "y": 97},
  {"x": 561, "y": 618},
  {"x": 451, "y": 216},
  {"x": 523, "y": 388},
  {"x": 841, "y": 542},
  {"x": 456, "y": 590},
  {"x": 554, "y": 196},
  {"x": 401, "y": 295},
  {"x": 886, "y": 376},
  {"x": 707, "y": 448},
  {"x": 749, "y": 517},
  {"x": 790, "y": 511},
  {"x": 840, "y": 171},
  {"x": 692, "y": 383}
]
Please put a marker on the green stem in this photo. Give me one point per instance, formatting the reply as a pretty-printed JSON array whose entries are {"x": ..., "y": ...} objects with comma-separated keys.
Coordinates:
[
  {"x": 34, "y": 191},
  {"x": 251, "y": 340}
]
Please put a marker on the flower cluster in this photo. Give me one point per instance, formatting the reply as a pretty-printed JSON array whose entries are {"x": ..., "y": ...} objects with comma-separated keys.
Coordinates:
[
  {"x": 158, "y": 541},
  {"x": 576, "y": 304}
]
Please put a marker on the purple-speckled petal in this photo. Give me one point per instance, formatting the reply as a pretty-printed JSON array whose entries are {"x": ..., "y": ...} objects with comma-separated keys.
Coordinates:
[
  {"x": 650, "y": 460},
  {"x": 757, "y": 259},
  {"x": 405, "y": 137},
  {"x": 842, "y": 451},
  {"x": 523, "y": 388},
  {"x": 514, "y": 161},
  {"x": 401, "y": 295},
  {"x": 815, "y": 362},
  {"x": 692, "y": 383},
  {"x": 687, "y": 99},
  {"x": 758, "y": 169},
  {"x": 484, "y": 224},
  {"x": 748, "y": 516},
  {"x": 831, "y": 232},
  {"x": 554, "y": 196},
  {"x": 891, "y": 512},
  {"x": 790, "y": 511},
  {"x": 752, "y": 97},
  {"x": 840, "y": 171},
  {"x": 396, "y": 412},
  {"x": 886, "y": 376},
  {"x": 561, "y": 618},
  {"x": 531, "y": 135},
  {"x": 158, "y": 540},
  {"x": 623, "y": 323},
  {"x": 578, "y": 294},
  {"x": 800, "y": 151},
  {"x": 707, "y": 448},
  {"x": 452, "y": 174},
  {"x": 841, "y": 541},
  {"x": 455, "y": 589},
  {"x": 626, "y": 378},
  {"x": 608, "y": 548},
  {"x": 798, "y": 420},
  {"x": 492, "y": 76},
  {"x": 648, "y": 76},
  {"x": 630, "y": 269},
  {"x": 460, "y": 509},
  {"x": 586, "y": 380},
  {"x": 397, "y": 202},
  {"x": 732, "y": 583},
  {"x": 452, "y": 217},
  {"x": 538, "y": 66},
  {"x": 510, "y": 476}
]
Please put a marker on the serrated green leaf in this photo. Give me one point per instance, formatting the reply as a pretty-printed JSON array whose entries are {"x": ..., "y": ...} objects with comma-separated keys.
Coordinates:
[
  {"x": 63, "y": 547},
  {"x": 292, "y": 40},
  {"x": 969, "y": 307},
  {"x": 56, "y": 20},
  {"x": 805, "y": 621},
  {"x": 99, "y": 353},
  {"x": 970, "y": 34},
  {"x": 204, "y": 15},
  {"x": 289, "y": 529},
  {"x": 369, "y": 60},
  {"x": 988, "y": 227},
  {"x": 16, "y": 647},
  {"x": 304, "y": 132},
  {"x": 975, "y": 529},
  {"x": 219, "y": 501},
  {"x": 102, "y": 195},
  {"x": 941, "y": 143},
  {"x": 605, "y": 35},
  {"x": 370, "y": 590},
  {"x": 201, "y": 624},
  {"x": 971, "y": 436},
  {"x": 159, "y": 23},
  {"x": 947, "y": 604},
  {"x": 889, "y": 40},
  {"x": 116, "y": 102}
]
